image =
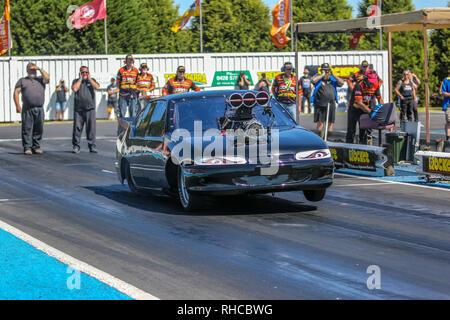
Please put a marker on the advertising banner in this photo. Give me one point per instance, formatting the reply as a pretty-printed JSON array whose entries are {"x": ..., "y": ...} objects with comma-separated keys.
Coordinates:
[
  {"x": 229, "y": 78},
  {"x": 358, "y": 157}
]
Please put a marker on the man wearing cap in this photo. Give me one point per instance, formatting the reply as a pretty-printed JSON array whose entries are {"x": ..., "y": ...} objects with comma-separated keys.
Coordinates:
[
  {"x": 324, "y": 96},
  {"x": 283, "y": 88},
  {"x": 32, "y": 88},
  {"x": 179, "y": 84},
  {"x": 113, "y": 98},
  {"x": 145, "y": 85},
  {"x": 126, "y": 80}
]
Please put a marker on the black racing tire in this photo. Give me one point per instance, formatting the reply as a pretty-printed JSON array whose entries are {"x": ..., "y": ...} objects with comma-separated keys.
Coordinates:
[
  {"x": 129, "y": 179},
  {"x": 314, "y": 195},
  {"x": 190, "y": 202}
]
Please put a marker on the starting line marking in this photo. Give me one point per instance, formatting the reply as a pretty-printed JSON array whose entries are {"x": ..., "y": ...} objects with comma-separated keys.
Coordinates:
[
  {"x": 393, "y": 182},
  {"x": 83, "y": 267}
]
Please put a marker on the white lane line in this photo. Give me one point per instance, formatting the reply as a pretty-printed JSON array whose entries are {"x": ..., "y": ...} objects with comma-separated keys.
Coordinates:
[
  {"x": 22, "y": 199},
  {"x": 107, "y": 171},
  {"x": 393, "y": 182},
  {"x": 104, "y": 277},
  {"x": 361, "y": 184}
]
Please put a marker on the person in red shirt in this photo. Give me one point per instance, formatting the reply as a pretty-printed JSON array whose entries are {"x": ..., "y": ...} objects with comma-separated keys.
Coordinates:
[
  {"x": 145, "y": 85},
  {"x": 179, "y": 84},
  {"x": 126, "y": 81},
  {"x": 364, "y": 93}
]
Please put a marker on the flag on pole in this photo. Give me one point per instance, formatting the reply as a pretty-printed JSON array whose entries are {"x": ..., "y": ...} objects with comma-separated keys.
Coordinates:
[
  {"x": 5, "y": 41},
  {"x": 280, "y": 24},
  {"x": 354, "y": 39},
  {"x": 88, "y": 13},
  {"x": 193, "y": 11}
]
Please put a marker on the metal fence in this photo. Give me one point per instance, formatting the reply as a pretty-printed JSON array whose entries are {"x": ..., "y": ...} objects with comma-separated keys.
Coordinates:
[{"x": 202, "y": 67}]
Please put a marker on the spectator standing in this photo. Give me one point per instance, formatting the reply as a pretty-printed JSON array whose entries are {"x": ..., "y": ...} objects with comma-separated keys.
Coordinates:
[
  {"x": 363, "y": 93},
  {"x": 243, "y": 83},
  {"x": 113, "y": 98},
  {"x": 325, "y": 94},
  {"x": 406, "y": 91},
  {"x": 61, "y": 100},
  {"x": 84, "y": 111},
  {"x": 351, "y": 81},
  {"x": 126, "y": 80},
  {"x": 32, "y": 88},
  {"x": 284, "y": 87},
  {"x": 306, "y": 84},
  {"x": 263, "y": 84},
  {"x": 445, "y": 92},
  {"x": 179, "y": 83},
  {"x": 145, "y": 85}
]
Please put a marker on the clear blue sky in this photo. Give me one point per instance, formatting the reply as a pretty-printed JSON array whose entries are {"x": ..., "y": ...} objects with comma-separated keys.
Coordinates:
[{"x": 419, "y": 4}]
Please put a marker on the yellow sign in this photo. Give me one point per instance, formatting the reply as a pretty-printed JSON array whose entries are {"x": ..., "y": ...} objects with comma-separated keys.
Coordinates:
[
  {"x": 270, "y": 75},
  {"x": 198, "y": 78},
  {"x": 440, "y": 165},
  {"x": 334, "y": 153},
  {"x": 356, "y": 156},
  {"x": 343, "y": 71}
]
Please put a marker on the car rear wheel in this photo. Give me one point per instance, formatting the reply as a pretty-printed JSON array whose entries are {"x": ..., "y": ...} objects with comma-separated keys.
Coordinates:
[
  {"x": 314, "y": 195},
  {"x": 188, "y": 201},
  {"x": 129, "y": 179}
]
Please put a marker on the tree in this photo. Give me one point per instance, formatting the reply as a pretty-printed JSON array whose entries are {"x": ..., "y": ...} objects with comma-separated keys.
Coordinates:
[
  {"x": 439, "y": 57},
  {"x": 407, "y": 47},
  {"x": 321, "y": 10},
  {"x": 39, "y": 27},
  {"x": 234, "y": 26}
]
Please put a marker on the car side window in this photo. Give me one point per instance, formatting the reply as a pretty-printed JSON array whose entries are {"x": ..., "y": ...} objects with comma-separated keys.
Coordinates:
[
  {"x": 158, "y": 119},
  {"x": 144, "y": 120}
]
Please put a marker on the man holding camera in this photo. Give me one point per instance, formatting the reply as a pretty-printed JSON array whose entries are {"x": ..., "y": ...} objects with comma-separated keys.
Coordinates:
[
  {"x": 362, "y": 98},
  {"x": 243, "y": 83},
  {"x": 32, "y": 89},
  {"x": 84, "y": 111},
  {"x": 325, "y": 96},
  {"x": 283, "y": 88}
]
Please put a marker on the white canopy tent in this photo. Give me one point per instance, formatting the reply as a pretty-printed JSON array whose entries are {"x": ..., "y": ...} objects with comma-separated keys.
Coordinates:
[{"x": 433, "y": 18}]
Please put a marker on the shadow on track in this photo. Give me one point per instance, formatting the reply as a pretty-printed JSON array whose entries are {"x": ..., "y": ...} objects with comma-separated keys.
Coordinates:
[{"x": 230, "y": 205}]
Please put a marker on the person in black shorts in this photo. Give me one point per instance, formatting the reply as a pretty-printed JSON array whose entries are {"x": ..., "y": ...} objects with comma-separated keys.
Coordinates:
[{"x": 325, "y": 94}]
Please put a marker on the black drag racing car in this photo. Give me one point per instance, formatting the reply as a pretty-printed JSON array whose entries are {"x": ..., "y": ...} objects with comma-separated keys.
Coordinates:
[{"x": 220, "y": 143}]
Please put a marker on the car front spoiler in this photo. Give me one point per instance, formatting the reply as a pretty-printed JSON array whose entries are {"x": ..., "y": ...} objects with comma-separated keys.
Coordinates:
[{"x": 237, "y": 179}]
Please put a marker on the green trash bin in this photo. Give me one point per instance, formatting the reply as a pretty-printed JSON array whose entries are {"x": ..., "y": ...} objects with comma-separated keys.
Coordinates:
[{"x": 399, "y": 142}]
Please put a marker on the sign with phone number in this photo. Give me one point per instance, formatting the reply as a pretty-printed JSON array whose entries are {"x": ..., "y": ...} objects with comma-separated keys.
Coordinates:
[{"x": 229, "y": 78}]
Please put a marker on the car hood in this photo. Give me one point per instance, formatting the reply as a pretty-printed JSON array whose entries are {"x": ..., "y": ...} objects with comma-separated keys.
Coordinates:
[{"x": 290, "y": 141}]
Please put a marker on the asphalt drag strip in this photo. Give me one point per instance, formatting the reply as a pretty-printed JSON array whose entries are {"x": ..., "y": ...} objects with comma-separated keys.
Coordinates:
[{"x": 255, "y": 247}]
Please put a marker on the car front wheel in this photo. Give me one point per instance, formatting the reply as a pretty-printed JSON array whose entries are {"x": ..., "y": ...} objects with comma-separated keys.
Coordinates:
[
  {"x": 314, "y": 195},
  {"x": 188, "y": 201}
]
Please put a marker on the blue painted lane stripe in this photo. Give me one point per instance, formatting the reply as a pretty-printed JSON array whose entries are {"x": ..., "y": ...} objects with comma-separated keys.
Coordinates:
[{"x": 27, "y": 273}]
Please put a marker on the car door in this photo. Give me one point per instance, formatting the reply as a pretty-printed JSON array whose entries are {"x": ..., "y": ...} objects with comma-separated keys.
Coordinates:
[
  {"x": 156, "y": 155},
  {"x": 137, "y": 156}
]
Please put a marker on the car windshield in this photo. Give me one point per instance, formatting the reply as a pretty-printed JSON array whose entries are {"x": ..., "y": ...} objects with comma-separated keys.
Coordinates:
[{"x": 208, "y": 110}]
